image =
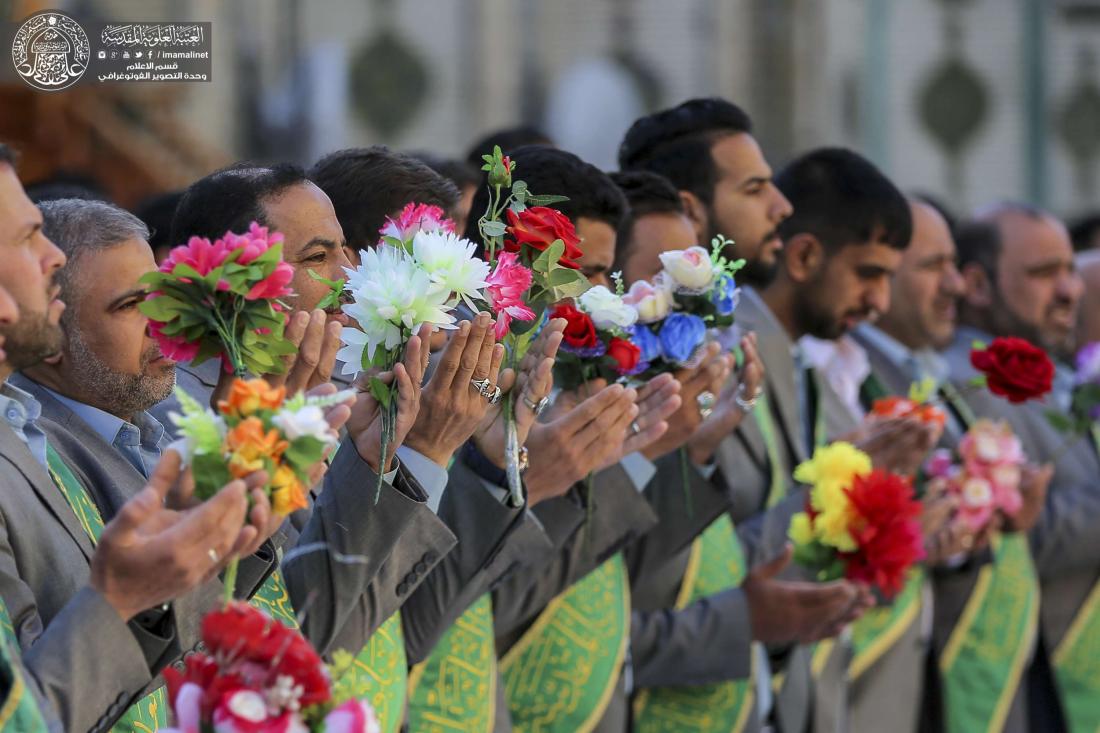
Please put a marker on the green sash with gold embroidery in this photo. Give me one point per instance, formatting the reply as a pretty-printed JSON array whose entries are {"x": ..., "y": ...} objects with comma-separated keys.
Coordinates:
[
  {"x": 560, "y": 675},
  {"x": 716, "y": 564},
  {"x": 455, "y": 688},
  {"x": 988, "y": 649},
  {"x": 150, "y": 713},
  {"x": 881, "y": 627},
  {"x": 19, "y": 711},
  {"x": 380, "y": 674},
  {"x": 1076, "y": 659}
]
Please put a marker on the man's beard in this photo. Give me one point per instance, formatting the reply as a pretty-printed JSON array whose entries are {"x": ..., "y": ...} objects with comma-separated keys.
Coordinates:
[
  {"x": 1008, "y": 323},
  {"x": 756, "y": 273},
  {"x": 124, "y": 394},
  {"x": 30, "y": 340}
]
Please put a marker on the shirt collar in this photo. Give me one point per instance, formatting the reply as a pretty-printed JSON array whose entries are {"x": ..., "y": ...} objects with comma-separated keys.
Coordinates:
[
  {"x": 916, "y": 365},
  {"x": 108, "y": 426}
]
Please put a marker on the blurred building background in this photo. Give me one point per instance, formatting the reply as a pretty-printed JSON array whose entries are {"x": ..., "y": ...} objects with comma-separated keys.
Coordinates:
[{"x": 970, "y": 100}]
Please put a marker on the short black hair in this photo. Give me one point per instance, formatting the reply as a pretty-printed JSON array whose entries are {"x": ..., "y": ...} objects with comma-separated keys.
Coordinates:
[
  {"x": 230, "y": 199},
  {"x": 157, "y": 212},
  {"x": 66, "y": 185},
  {"x": 550, "y": 171},
  {"x": 368, "y": 184},
  {"x": 646, "y": 193},
  {"x": 509, "y": 139},
  {"x": 842, "y": 198},
  {"x": 1084, "y": 231},
  {"x": 676, "y": 143},
  {"x": 8, "y": 155},
  {"x": 458, "y": 172}
]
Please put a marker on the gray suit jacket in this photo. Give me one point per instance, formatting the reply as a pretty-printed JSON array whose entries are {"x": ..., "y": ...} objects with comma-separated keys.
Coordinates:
[{"x": 88, "y": 662}]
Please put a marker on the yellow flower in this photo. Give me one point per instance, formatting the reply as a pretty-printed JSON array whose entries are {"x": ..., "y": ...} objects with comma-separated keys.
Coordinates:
[
  {"x": 246, "y": 396},
  {"x": 287, "y": 493},
  {"x": 801, "y": 532},
  {"x": 829, "y": 473},
  {"x": 249, "y": 444}
]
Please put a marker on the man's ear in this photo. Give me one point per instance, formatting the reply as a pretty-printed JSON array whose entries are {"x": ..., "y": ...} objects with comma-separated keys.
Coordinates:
[
  {"x": 803, "y": 257},
  {"x": 697, "y": 212},
  {"x": 979, "y": 287}
]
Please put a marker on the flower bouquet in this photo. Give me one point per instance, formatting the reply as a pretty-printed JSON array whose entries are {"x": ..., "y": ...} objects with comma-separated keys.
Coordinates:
[
  {"x": 1084, "y": 409},
  {"x": 986, "y": 479},
  {"x": 256, "y": 429},
  {"x": 533, "y": 251},
  {"x": 220, "y": 299},
  {"x": 418, "y": 274},
  {"x": 596, "y": 341},
  {"x": 859, "y": 523},
  {"x": 695, "y": 291},
  {"x": 259, "y": 676}
]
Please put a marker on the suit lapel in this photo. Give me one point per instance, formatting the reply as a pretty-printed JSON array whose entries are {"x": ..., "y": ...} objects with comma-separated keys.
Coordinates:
[
  {"x": 34, "y": 474},
  {"x": 775, "y": 351}
]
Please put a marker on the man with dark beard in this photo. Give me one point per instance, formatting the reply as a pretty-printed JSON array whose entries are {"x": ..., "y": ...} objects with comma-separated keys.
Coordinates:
[{"x": 706, "y": 149}]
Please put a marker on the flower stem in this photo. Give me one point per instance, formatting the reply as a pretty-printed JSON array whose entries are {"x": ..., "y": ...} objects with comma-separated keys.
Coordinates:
[{"x": 230, "y": 581}]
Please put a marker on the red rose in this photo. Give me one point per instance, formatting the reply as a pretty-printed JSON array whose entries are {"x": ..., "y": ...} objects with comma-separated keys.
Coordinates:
[
  {"x": 580, "y": 331},
  {"x": 538, "y": 227},
  {"x": 1014, "y": 369},
  {"x": 625, "y": 354}
]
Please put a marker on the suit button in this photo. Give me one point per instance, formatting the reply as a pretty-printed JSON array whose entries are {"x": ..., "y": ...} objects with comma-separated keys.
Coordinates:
[
  {"x": 411, "y": 578},
  {"x": 402, "y": 588},
  {"x": 421, "y": 567},
  {"x": 429, "y": 557},
  {"x": 201, "y": 647}
]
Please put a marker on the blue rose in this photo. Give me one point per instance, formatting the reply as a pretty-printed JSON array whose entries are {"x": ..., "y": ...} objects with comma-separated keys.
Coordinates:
[
  {"x": 726, "y": 295},
  {"x": 681, "y": 335},
  {"x": 646, "y": 341}
]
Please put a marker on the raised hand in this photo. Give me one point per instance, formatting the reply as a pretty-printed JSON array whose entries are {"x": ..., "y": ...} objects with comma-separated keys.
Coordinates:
[
  {"x": 729, "y": 408},
  {"x": 658, "y": 400},
  {"x": 317, "y": 338},
  {"x": 149, "y": 553},
  {"x": 708, "y": 375},
  {"x": 451, "y": 408},
  {"x": 531, "y": 384},
  {"x": 898, "y": 444},
  {"x": 1034, "y": 483},
  {"x": 578, "y": 441},
  {"x": 365, "y": 423},
  {"x": 783, "y": 611}
]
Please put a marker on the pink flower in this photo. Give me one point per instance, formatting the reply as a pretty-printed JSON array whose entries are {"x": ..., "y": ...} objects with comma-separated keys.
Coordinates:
[
  {"x": 275, "y": 285},
  {"x": 174, "y": 347},
  {"x": 199, "y": 253},
  {"x": 187, "y": 709},
  {"x": 939, "y": 464},
  {"x": 976, "y": 502},
  {"x": 255, "y": 242},
  {"x": 416, "y": 218},
  {"x": 354, "y": 716},
  {"x": 506, "y": 287}
]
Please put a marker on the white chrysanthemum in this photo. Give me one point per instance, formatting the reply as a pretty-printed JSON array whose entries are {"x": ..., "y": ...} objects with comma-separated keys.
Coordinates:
[
  {"x": 392, "y": 297},
  {"x": 308, "y": 421},
  {"x": 452, "y": 264},
  {"x": 607, "y": 310}
]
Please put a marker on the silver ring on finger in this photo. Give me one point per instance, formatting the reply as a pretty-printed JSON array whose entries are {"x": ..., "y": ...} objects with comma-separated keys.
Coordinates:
[
  {"x": 634, "y": 427},
  {"x": 535, "y": 407},
  {"x": 213, "y": 555},
  {"x": 483, "y": 387},
  {"x": 494, "y": 395},
  {"x": 705, "y": 400},
  {"x": 745, "y": 405}
]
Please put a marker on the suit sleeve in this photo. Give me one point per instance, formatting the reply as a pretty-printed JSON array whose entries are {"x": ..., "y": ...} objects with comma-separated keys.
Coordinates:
[{"x": 360, "y": 555}]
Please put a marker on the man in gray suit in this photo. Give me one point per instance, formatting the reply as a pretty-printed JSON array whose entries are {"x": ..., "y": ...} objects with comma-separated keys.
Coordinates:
[
  {"x": 91, "y": 615},
  {"x": 1021, "y": 281}
]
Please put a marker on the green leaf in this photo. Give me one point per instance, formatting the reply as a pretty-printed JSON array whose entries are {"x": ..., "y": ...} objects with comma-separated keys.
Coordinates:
[
  {"x": 304, "y": 452},
  {"x": 977, "y": 345},
  {"x": 549, "y": 257},
  {"x": 1060, "y": 421},
  {"x": 335, "y": 289},
  {"x": 533, "y": 200},
  {"x": 381, "y": 392},
  {"x": 162, "y": 308},
  {"x": 493, "y": 229}
]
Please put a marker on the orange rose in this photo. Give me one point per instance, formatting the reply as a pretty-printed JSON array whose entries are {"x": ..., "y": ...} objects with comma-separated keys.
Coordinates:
[
  {"x": 898, "y": 407},
  {"x": 249, "y": 445},
  {"x": 287, "y": 493},
  {"x": 246, "y": 396}
]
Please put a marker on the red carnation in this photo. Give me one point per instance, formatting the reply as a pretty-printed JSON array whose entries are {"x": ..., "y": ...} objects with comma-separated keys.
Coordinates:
[
  {"x": 1014, "y": 369},
  {"x": 580, "y": 331},
  {"x": 538, "y": 227},
  {"x": 886, "y": 529},
  {"x": 625, "y": 354}
]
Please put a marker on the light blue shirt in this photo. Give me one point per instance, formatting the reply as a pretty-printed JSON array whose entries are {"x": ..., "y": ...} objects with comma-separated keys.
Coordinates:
[
  {"x": 140, "y": 442},
  {"x": 21, "y": 412}
]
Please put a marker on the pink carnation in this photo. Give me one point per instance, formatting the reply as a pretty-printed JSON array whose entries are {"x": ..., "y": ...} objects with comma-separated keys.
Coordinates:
[
  {"x": 416, "y": 218},
  {"x": 199, "y": 253},
  {"x": 174, "y": 347},
  {"x": 506, "y": 287},
  {"x": 275, "y": 285},
  {"x": 354, "y": 716}
]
